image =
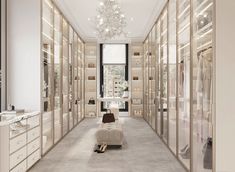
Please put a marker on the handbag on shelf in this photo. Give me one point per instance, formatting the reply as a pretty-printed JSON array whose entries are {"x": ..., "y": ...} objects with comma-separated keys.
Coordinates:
[
  {"x": 135, "y": 78},
  {"x": 91, "y": 65},
  {"x": 76, "y": 78},
  {"x": 108, "y": 117},
  {"x": 91, "y": 77},
  {"x": 136, "y": 53},
  {"x": 91, "y": 101}
]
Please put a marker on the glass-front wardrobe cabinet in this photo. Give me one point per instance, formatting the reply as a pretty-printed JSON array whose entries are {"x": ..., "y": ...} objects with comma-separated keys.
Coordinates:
[
  {"x": 202, "y": 93},
  {"x": 178, "y": 81},
  {"x": 62, "y": 80},
  {"x": 47, "y": 75}
]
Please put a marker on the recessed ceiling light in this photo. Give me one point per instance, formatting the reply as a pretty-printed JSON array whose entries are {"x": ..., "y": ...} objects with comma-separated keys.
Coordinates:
[
  {"x": 89, "y": 19},
  {"x": 132, "y": 19}
]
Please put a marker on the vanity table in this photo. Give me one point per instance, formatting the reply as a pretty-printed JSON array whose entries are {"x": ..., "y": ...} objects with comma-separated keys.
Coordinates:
[{"x": 20, "y": 141}]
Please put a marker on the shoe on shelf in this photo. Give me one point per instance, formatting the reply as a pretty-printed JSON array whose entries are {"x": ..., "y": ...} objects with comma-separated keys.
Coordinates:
[
  {"x": 186, "y": 154},
  {"x": 184, "y": 148}
]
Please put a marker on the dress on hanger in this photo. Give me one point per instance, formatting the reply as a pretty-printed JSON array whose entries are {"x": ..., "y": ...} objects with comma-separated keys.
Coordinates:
[{"x": 204, "y": 93}]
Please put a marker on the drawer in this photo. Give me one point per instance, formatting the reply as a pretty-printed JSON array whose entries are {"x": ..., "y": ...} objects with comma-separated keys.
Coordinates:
[
  {"x": 33, "y": 146},
  {"x": 34, "y": 121},
  {"x": 33, "y": 134},
  {"x": 20, "y": 168},
  {"x": 32, "y": 159},
  {"x": 17, "y": 157},
  {"x": 18, "y": 128},
  {"x": 17, "y": 142}
]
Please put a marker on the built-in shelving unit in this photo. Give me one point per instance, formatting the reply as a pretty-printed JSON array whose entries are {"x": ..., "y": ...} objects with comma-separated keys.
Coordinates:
[
  {"x": 91, "y": 80},
  {"x": 137, "y": 85}
]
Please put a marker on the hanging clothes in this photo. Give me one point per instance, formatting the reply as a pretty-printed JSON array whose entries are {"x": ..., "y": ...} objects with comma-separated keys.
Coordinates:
[
  {"x": 204, "y": 93},
  {"x": 204, "y": 81}
]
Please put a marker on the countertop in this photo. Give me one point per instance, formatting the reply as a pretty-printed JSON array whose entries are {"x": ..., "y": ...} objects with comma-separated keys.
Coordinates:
[{"x": 9, "y": 118}]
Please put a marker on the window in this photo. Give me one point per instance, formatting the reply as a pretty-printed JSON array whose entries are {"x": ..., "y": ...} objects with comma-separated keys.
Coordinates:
[{"x": 114, "y": 74}]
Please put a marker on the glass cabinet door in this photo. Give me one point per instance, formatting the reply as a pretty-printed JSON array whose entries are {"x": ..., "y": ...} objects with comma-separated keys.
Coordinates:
[
  {"x": 80, "y": 63},
  {"x": 65, "y": 77},
  {"x": 159, "y": 74},
  {"x": 147, "y": 83},
  {"x": 47, "y": 60},
  {"x": 150, "y": 103},
  {"x": 71, "y": 55},
  {"x": 164, "y": 76},
  {"x": 75, "y": 70},
  {"x": 183, "y": 50},
  {"x": 57, "y": 76},
  {"x": 153, "y": 81},
  {"x": 172, "y": 85},
  {"x": 202, "y": 85},
  {"x": 83, "y": 81},
  {"x": 145, "y": 80}
]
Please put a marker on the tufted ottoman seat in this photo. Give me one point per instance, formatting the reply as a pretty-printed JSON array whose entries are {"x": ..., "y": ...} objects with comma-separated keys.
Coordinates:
[{"x": 110, "y": 133}]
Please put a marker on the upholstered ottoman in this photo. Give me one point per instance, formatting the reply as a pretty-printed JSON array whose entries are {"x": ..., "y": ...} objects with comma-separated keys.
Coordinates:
[{"x": 110, "y": 134}]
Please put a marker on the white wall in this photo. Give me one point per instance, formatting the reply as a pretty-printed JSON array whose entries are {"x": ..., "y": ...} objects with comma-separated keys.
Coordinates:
[
  {"x": 24, "y": 53},
  {"x": 225, "y": 86},
  {"x": 3, "y": 53}
]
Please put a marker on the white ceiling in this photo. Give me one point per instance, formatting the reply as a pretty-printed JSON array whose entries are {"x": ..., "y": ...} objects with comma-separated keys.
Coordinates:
[{"x": 144, "y": 13}]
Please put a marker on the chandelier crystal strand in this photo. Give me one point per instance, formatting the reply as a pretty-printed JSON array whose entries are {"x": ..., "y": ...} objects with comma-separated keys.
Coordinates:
[{"x": 110, "y": 21}]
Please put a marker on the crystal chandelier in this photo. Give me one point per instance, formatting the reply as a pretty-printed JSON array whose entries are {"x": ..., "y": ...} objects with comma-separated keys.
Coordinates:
[{"x": 110, "y": 21}]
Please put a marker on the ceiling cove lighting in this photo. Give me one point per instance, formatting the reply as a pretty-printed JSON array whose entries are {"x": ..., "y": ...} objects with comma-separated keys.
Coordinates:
[{"x": 110, "y": 21}]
